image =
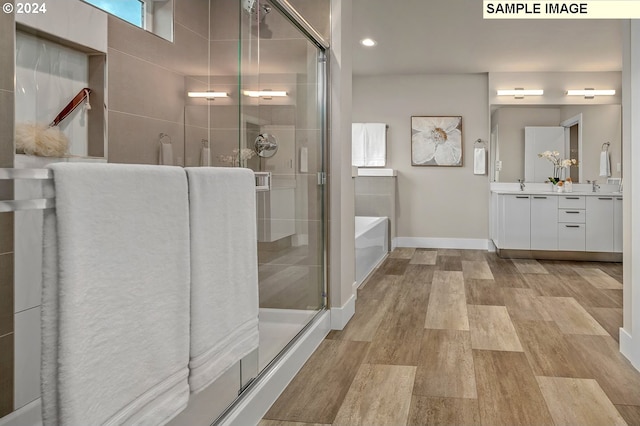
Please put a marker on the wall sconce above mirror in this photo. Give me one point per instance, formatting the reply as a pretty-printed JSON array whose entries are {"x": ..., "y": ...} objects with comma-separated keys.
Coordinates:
[
  {"x": 265, "y": 93},
  {"x": 520, "y": 93},
  {"x": 591, "y": 93},
  {"x": 155, "y": 16},
  {"x": 208, "y": 95}
]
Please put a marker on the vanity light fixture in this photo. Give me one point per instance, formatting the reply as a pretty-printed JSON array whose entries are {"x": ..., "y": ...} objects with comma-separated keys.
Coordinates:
[
  {"x": 591, "y": 93},
  {"x": 265, "y": 93},
  {"x": 520, "y": 93},
  {"x": 368, "y": 42},
  {"x": 208, "y": 95}
]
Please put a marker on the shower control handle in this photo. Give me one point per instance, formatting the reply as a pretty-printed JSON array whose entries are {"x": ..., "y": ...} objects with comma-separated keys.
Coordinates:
[{"x": 265, "y": 145}]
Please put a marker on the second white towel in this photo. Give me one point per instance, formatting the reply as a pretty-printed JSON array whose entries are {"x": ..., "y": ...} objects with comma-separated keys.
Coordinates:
[
  {"x": 224, "y": 292},
  {"x": 368, "y": 144},
  {"x": 479, "y": 161},
  {"x": 605, "y": 164}
]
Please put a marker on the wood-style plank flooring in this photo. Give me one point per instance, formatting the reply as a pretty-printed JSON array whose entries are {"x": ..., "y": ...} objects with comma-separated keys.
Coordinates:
[{"x": 464, "y": 337}]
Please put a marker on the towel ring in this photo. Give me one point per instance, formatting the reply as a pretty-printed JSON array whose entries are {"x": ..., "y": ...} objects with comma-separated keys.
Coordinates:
[
  {"x": 205, "y": 143},
  {"x": 164, "y": 135},
  {"x": 479, "y": 141},
  {"x": 605, "y": 146}
]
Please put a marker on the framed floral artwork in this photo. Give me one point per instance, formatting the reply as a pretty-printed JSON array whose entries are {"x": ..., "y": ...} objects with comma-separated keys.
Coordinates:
[{"x": 436, "y": 141}]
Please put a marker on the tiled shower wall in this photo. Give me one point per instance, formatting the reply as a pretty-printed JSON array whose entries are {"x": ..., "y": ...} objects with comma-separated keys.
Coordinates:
[
  {"x": 7, "y": 42},
  {"x": 148, "y": 82}
]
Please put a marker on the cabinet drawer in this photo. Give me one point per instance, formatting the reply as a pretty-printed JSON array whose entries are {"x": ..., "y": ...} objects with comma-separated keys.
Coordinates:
[
  {"x": 571, "y": 236},
  {"x": 571, "y": 216},
  {"x": 571, "y": 202}
]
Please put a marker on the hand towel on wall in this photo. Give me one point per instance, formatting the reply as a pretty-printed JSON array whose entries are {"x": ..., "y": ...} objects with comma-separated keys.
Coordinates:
[
  {"x": 375, "y": 147},
  {"x": 605, "y": 164},
  {"x": 368, "y": 144},
  {"x": 224, "y": 271},
  {"x": 358, "y": 136},
  {"x": 166, "y": 154},
  {"x": 479, "y": 161},
  {"x": 115, "y": 305}
]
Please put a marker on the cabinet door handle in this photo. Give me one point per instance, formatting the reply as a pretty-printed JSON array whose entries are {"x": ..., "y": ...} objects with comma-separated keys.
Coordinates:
[
  {"x": 539, "y": 198},
  {"x": 572, "y": 212},
  {"x": 572, "y": 226},
  {"x": 619, "y": 199},
  {"x": 605, "y": 198},
  {"x": 519, "y": 196},
  {"x": 572, "y": 198}
]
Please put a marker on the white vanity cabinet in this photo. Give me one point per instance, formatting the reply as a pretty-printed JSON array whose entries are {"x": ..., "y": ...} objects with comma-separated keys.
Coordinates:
[
  {"x": 590, "y": 223},
  {"x": 617, "y": 224},
  {"x": 600, "y": 218},
  {"x": 515, "y": 225},
  {"x": 544, "y": 222},
  {"x": 571, "y": 223}
]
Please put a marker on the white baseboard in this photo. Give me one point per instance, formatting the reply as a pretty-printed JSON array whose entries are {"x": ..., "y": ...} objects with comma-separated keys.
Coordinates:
[
  {"x": 29, "y": 415},
  {"x": 258, "y": 399},
  {"x": 341, "y": 316},
  {"x": 627, "y": 348},
  {"x": 444, "y": 243}
]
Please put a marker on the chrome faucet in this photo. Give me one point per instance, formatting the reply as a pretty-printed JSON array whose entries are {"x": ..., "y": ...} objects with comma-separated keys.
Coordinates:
[
  {"x": 594, "y": 186},
  {"x": 521, "y": 182}
]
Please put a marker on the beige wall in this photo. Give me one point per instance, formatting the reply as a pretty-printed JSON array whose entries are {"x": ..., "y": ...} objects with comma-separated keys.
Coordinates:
[
  {"x": 341, "y": 185},
  {"x": 434, "y": 202}
]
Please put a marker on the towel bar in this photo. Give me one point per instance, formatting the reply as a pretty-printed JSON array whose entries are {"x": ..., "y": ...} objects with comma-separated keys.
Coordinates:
[
  {"x": 263, "y": 183},
  {"x": 45, "y": 175}
]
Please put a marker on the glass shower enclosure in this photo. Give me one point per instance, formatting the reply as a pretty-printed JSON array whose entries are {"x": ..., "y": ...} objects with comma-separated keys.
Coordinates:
[{"x": 281, "y": 116}]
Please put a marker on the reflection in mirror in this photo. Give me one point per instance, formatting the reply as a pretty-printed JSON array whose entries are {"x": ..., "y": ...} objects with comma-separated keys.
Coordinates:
[
  {"x": 155, "y": 16},
  {"x": 588, "y": 126}
]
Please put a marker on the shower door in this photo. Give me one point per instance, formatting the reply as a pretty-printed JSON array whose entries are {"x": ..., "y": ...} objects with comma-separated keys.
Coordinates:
[{"x": 282, "y": 116}]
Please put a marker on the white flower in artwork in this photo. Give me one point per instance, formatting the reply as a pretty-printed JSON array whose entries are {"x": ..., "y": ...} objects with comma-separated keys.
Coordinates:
[{"x": 437, "y": 140}]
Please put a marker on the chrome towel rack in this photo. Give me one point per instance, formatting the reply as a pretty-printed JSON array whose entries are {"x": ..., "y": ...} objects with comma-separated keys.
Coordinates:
[{"x": 44, "y": 175}]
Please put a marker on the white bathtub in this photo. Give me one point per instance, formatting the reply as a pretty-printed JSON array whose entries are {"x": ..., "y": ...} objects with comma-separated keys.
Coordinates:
[{"x": 372, "y": 244}]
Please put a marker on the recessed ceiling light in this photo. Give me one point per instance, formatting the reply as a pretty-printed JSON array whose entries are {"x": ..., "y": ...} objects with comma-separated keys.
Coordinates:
[{"x": 368, "y": 42}]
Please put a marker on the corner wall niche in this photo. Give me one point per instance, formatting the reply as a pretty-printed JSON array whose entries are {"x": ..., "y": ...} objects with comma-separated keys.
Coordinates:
[{"x": 48, "y": 76}]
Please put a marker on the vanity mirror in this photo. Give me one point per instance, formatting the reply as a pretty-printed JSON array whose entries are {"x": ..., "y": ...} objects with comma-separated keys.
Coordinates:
[{"x": 586, "y": 128}]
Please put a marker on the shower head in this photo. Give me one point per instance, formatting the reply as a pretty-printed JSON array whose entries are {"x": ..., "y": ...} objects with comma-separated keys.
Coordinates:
[{"x": 261, "y": 11}]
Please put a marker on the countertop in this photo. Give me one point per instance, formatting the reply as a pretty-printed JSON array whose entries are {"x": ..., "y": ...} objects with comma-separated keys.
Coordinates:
[{"x": 574, "y": 193}]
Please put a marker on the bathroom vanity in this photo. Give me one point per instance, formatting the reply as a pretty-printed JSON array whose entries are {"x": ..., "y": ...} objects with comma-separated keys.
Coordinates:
[{"x": 551, "y": 225}]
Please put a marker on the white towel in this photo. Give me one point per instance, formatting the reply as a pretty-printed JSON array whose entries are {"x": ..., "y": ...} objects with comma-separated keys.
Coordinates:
[
  {"x": 479, "y": 161},
  {"x": 605, "y": 164},
  {"x": 224, "y": 270},
  {"x": 358, "y": 137},
  {"x": 115, "y": 308},
  {"x": 375, "y": 147},
  {"x": 166, "y": 154},
  {"x": 205, "y": 156}
]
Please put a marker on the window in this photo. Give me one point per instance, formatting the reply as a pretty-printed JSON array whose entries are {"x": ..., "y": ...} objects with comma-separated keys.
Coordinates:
[
  {"x": 130, "y": 10},
  {"x": 155, "y": 16}
]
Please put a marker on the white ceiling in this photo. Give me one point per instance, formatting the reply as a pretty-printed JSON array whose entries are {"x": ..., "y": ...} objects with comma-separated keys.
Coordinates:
[{"x": 450, "y": 36}]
